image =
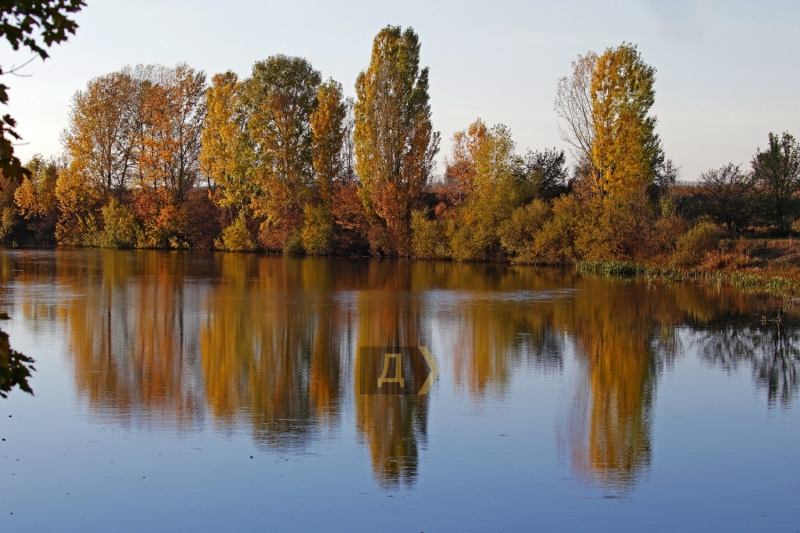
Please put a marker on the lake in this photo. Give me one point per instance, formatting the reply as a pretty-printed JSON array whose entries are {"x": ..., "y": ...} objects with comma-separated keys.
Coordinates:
[{"x": 233, "y": 392}]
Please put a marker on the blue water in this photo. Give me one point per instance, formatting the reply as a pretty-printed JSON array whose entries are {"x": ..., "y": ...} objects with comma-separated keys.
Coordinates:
[{"x": 199, "y": 392}]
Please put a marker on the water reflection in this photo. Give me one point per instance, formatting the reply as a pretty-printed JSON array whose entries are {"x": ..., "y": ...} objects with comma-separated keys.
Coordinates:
[
  {"x": 768, "y": 347},
  {"x": 394, "y": 427},
  {"x": 269, "y": 344}
]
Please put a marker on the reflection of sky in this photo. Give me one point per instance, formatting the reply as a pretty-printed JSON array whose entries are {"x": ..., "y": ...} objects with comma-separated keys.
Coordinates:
[{"x": 495, "y": 462}]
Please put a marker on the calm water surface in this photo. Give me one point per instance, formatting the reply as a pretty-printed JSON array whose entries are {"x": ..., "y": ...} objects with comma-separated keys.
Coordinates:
[{"x": 220, "y": 392}]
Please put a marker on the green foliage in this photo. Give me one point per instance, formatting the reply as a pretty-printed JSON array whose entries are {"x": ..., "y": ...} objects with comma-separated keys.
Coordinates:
[
  {"x": 121, "y": 228},
  {"x": 317, "y": 230},
  {"x": 777, "y": 174},
  {"x": 294, "y": 245},
  {"x": 394, "y": 139},
  {"x": 621, "y": 269},
  {"x": 237, "y": 237},
  {"x": 695, "y": 244},
  {"x": 518, "y": 233},
  {"x": 429, "y": 238}
]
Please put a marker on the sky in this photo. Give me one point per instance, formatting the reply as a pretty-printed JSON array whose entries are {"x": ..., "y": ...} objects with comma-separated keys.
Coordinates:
[{"x": 727, "y": 71}]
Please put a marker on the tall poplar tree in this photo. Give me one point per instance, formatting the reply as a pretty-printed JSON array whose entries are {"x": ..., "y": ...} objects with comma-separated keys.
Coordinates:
[
  {"x": 394, "y": 140},
  {"x": 328, "y": 136},
  {"x": 626, "y": 152}
]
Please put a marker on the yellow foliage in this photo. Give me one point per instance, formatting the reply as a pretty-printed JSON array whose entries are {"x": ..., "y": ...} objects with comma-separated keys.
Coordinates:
[
  {"x": 625, "y": 150},
  {"x": 237, "y": 237}
]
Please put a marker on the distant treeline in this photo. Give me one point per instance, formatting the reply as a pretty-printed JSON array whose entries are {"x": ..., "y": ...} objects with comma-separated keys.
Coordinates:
[{"x": 155, "y": 157}]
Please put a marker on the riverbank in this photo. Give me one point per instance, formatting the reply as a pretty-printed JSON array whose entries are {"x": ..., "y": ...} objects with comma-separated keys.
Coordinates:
[{"x": 777, "y": 276}]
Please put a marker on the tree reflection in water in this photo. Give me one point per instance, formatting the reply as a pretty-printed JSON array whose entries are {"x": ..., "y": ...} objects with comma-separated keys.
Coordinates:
[
  {"x": 270, "y": 344},
  {"x": 770, "y": 347}
]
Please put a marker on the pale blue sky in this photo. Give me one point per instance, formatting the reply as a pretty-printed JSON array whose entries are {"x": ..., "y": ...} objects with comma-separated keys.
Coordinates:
[{"x": 727, "y": 71}]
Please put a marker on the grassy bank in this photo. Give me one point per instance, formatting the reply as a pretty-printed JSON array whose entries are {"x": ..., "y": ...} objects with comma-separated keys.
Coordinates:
[{"x": 767, "y": 281}]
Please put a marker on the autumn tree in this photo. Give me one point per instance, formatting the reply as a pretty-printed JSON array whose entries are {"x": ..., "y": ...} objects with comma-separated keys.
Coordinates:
[
  {"x": 626, "y": 152},
  {"x": 328, "y": 131},
  {"x": 101, "y": 138},
  {"x": 727, "y": 196},
  {"x": 279, "y": 99},
  {"x": 223, "y": 159},
  {"x": 394, "y": 139},
  {"x": 496, "y": 192},
  {"x": 78, "y": 203},
  {"x": 351, "y": 224},
  {"x": 9, "y": 212},
  {"x": 328, "y": 138},
  {"x": 36, "y": 198},
  {"x": 460, "y": 166},
  {"x": 173, "y": 112},
  {"x": 776, "y": 171}
]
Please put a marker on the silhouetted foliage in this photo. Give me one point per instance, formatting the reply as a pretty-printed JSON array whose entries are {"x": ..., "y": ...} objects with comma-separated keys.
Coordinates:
[
  {"x": 727, "y": 197},
  {"x": 776, "y": 171}
]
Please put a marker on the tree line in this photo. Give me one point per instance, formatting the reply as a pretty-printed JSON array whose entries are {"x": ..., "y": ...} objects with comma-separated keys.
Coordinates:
[{"x": 158, "y": 157}]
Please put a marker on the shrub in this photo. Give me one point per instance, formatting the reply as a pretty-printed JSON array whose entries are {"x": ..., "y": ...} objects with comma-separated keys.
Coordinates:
[
  {"x": 616, "y": 228},
  {"x": 8, "y": 222},
  {"x": 293, "y": 245},
  {"x": 694, "y": 245},
  {"x": 317, "y": 231},
  {"x": 429, "y": 238},
  {"x": 555, "y": 242},
  {"x": 122, "y": 229},
  {"x": 475, "y": 240},
  {"x": 518, "y": 234},
  {"x": 236, "y": 237}
]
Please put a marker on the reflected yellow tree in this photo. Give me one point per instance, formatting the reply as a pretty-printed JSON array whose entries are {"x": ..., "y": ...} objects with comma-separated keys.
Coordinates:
[
  {"x": 394, "y": 427},
  {"x": 131, "y": 339},
  {"x": 622, "y": 331},
  {"x": 271, "y": 344}
]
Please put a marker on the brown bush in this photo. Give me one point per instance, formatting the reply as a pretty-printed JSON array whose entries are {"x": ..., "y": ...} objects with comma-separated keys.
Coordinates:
[{"x": 693, "y": 246}]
